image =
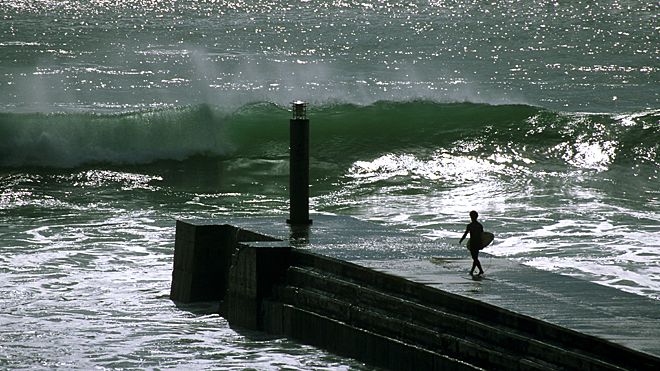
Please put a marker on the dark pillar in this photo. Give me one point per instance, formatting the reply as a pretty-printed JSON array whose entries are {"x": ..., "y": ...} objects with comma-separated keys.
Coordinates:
[{"x": 299, "y": 166}]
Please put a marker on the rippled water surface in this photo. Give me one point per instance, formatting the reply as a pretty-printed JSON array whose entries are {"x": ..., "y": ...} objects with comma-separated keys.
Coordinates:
[
  {"x": 119, "y": 117},
  {"x": 134, "y": 54}
]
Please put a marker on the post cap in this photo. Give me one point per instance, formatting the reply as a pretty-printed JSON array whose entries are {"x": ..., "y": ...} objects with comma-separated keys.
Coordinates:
[{"x": 299, "y": 109}]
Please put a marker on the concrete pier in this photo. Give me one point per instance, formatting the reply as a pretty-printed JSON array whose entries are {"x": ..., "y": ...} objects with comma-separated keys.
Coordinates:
[{"x": 397, "y": 307}]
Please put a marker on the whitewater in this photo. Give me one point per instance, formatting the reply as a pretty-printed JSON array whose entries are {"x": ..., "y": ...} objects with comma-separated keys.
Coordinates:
[{"x": 119, "y": 117}]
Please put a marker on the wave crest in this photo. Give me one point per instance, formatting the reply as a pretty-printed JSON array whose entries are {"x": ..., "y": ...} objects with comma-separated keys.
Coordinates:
[
  {"x": 68, "y": 140},
  {"x": 340, "y": 133}
]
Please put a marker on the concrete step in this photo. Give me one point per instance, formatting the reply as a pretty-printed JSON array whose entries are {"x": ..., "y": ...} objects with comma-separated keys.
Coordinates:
[
  {"x": 478, "y": 353},
  {"x": 342, "y": 338},
  {"x": 340, "y": 298},
  {"x": 560, "y": 337}
]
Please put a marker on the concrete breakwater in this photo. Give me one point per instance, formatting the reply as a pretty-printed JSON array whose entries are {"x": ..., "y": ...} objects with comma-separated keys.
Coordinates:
[{"x": 266, "y": 284}]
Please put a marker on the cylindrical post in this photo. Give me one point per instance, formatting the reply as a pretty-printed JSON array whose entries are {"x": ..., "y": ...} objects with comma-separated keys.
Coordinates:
[{"x": 299, "y": 166}]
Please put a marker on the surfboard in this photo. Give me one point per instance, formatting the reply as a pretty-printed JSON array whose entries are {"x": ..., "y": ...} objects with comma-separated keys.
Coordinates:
[{"x": 486, "y": 239}]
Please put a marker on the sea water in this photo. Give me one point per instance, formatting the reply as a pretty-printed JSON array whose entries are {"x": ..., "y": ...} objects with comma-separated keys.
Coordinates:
[{"x": 119, "y": 117}]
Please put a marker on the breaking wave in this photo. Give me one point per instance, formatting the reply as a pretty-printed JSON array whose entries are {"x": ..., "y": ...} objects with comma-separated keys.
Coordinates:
[{"x": 341, "y": 133}]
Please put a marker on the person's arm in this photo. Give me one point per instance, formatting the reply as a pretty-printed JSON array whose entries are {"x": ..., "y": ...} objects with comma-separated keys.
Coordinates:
[{"x": 467, "y": 230}]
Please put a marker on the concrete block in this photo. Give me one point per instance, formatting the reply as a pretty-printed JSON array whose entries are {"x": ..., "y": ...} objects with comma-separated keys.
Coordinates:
[
  {"x": 202, "y": 257},
  {"x": 273, "y": 316},
  {"x": 254, "y": 270},
  {"x": 202, "y": 254}
]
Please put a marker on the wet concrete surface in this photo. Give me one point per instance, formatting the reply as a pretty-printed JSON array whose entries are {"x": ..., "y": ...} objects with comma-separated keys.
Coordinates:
[{"x": 627, "y": 319}]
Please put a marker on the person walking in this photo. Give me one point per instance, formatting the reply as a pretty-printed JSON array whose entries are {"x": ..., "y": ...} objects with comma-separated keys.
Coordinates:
[{"x": 475, "y": 229}]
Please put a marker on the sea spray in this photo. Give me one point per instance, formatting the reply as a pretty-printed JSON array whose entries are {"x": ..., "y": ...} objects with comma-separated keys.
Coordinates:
[{"x": 69, "y": 140}]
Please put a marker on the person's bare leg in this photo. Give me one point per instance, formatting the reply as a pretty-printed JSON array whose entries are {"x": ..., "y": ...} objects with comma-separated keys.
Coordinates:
[{"x": 478, "y": 264}]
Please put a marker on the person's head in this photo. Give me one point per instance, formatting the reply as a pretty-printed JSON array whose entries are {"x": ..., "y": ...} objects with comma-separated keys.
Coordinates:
[{"x": 474, "y": 215}]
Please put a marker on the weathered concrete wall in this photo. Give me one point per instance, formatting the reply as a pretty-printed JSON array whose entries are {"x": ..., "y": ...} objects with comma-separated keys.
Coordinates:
[
  {"x": 256, "y": 267},
  {"x": 255, "y": 271},
  {"x": 202, "y": 256},
  {"x": 351, "y": 341}
]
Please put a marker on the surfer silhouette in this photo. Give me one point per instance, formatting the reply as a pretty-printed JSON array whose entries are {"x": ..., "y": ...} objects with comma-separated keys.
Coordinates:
[{"x": 475, "y": 229}]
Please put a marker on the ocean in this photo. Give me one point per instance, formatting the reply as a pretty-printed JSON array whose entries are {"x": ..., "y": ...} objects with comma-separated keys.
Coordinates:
[{"x": 119, "y": 117}]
